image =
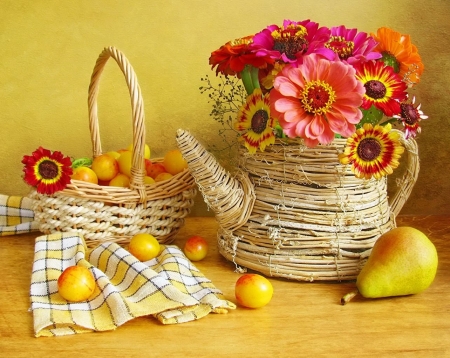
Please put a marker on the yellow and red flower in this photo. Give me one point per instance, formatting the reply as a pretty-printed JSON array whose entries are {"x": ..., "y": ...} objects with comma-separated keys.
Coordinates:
[
  {"x": 48, "y": 171},
  {"x": 255, "y": 119},
  {"x": 400, "y": 53},
  {"x": 384, "y": 88},
  {"x": 372, "y": 151}
]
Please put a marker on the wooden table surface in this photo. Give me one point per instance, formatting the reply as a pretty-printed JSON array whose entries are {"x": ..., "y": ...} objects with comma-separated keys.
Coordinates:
[{"x": 302, "y": 320}]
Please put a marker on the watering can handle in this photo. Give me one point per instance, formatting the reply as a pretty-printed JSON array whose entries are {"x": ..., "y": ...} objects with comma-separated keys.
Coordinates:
[{"x": 406, "y": 183}]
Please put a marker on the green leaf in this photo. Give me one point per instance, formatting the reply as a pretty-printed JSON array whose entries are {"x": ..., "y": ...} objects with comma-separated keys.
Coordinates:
[
  {"x": 372, "y": 115},
  {"x": 81, "y": 162},
  {"x": 279, "y": 131}
]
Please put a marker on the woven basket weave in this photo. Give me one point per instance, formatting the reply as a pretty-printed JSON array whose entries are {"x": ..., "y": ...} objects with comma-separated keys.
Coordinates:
[
  {"x": 107, "y": 213},
  {"x": 297, "y": 213}
]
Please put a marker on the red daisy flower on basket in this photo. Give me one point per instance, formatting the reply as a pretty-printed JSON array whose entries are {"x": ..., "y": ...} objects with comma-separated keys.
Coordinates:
[
  {"x": 291, "y": 42},
  {"x": 373, "y": 151},
  {"x": 410, "y": 116},
  {"x": 232, "y": 57},
  {"x": 48, "y": 171},
  {"x": 384, "y": 88},
  {"x": 352, "y": 46},
  {"x": 317, "y": 99}
]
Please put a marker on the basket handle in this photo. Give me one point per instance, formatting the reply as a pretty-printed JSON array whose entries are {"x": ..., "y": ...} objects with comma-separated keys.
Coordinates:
[
  {"x": 406, "y": 183},
  {"x": 138, "y": 117}
]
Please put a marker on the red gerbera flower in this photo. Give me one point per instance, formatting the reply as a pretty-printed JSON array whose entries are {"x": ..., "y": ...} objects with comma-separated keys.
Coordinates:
[
  {"x": 232, "y": 57},
  {"x": 48, "y": 172}
]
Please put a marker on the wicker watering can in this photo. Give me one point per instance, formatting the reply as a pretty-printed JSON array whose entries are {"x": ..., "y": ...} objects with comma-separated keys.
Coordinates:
[{"x": 295, "y": 212}]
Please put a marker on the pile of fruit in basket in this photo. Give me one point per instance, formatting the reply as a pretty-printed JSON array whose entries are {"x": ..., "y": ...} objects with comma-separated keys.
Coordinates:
[{"x": 114, "y": 168}]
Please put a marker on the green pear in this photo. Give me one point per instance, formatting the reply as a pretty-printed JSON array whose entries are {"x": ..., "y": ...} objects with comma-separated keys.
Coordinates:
[{"x": 403, "y": 261}]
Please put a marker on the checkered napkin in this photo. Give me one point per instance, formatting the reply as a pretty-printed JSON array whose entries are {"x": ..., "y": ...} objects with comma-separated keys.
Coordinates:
[
  {"x": 169, "y": 287},
  {"x": 16, "y": 215}
]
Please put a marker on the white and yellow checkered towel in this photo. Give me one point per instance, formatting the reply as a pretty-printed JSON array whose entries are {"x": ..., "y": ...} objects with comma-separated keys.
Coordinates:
[
  {"x": 16, "y": 215},
  {"x": 169, "y": 287}
]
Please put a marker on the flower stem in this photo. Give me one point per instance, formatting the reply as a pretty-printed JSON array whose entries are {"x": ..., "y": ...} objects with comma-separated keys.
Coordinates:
[
  {"x": 389, "y": 120},
  {"x": 347, "y": 297},
  {"x": 255, "y": 77},
  {"x": 249, "y": 76}
]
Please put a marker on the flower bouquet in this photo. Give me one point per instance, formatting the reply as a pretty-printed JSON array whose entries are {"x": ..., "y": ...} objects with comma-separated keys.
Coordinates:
[
  {"x": 316, "y": 109},
  {"x": 317, "y": 83}
]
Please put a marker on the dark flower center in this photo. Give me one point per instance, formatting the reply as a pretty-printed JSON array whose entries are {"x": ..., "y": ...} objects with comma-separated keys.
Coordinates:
[
  {"x": 259, "y": 121},
  {"x": 48, "y": 169},
  {"x": 339, "y": 45},
  {"x": 290, "y": 41},
  {"x": 375, "y": 89},
  {"x": 369, "y": 149},
  {"x": 409, "y": 113}
]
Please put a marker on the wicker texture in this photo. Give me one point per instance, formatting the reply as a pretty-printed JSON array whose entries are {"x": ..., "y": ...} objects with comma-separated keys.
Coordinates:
[
  {"x": 104, "y": 213},
  {"x": 306, "y": 216}
]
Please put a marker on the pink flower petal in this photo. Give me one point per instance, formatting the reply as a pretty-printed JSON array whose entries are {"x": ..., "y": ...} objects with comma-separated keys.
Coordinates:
[
  {"x": 286, "y": 104},
  {"x": 315, "y": 128},
  {"x": 286, "y": 87}
]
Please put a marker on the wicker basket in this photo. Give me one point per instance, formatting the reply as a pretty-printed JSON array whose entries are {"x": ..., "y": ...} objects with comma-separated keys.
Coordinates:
[
  {"x": 296, "y": 212},
  {"x": 107, "y": 213}
]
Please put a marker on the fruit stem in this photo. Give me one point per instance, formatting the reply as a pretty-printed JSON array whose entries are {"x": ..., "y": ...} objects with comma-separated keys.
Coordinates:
[{"x": 347, "y": 297}]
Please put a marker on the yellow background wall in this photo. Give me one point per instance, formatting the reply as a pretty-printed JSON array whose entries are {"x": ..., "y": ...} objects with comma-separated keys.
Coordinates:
[{"x": 49, "y": 47}]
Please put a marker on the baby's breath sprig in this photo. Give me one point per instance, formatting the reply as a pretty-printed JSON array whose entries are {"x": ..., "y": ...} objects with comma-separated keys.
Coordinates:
[{"x": 226, "y": 97}]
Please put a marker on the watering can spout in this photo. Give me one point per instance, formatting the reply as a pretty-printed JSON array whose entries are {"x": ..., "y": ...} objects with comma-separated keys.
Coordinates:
[{"x": 231, "y": 198}]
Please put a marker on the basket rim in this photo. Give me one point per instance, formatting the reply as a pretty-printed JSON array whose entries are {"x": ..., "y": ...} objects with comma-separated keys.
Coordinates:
[{"x": 177, "y": 184}]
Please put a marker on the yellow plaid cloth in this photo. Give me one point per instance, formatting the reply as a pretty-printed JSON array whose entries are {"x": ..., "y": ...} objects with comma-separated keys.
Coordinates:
[
  {"x": 169, "y": 287},
  {"x": 16, "y": 215}
]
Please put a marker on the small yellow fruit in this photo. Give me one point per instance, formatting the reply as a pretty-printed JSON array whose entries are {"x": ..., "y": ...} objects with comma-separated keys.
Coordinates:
[
  {"x": 253, "y": 291},
  {"x": 149, "y": 180},
  {"x": 125, "y": 161},
  {"x": 147, "y": 151},
  {"x": 120, "y": 180},
  {"x": 144, "y": 247},
  {"x": 195, "y": 248},
  {"x": 163, "y": 176},
  {"x": 76, "y": 283},
  {"x": 84, "y": 174},
  {"x": 174, "y": 162},
  {"x": 105, "y": 166},
  {"x": 113, "y": 154}
]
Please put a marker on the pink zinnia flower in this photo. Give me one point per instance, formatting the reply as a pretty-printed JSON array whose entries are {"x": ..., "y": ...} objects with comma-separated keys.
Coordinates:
[
  {"x": 352, "y": 46},
  {"x": 317, "y": 99},
  {"x": 291, "y": 42}
]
